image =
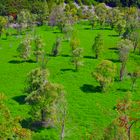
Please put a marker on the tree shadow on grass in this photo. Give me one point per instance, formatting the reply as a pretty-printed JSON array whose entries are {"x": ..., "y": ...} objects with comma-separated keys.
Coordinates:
[
  {"x": 22, "y": 61},
  {"x": 36, "y": 126},
  {"x": 65, "y": 55},
  {"x": 90, "y": 88},
  {"x": 64, "y": 70},
  {"x": 20, "y": 99},
  {"x": 114, "y": 60},
  {"x": 113, "y": 48},
  {"x": 113, "y": 35},
  {"x": 89, "y": 57},
  {"x": 122, "y": 90}
]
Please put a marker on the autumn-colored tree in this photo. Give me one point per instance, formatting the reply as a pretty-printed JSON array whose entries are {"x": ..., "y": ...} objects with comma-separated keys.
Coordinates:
[
  {"x": 127, "y": 115},
  {"x": 105, "y": 74},
  {"x": 10, "y": 127},
  {"x": 98, "y": 46}
]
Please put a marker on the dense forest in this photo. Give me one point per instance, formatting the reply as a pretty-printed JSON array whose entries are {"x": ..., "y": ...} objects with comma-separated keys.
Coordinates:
[{"x": 13, "y": 6}]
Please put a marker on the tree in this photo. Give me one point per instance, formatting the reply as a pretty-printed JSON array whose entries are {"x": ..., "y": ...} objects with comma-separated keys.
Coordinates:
[
  {"x": 93, "y": 20},
  {"x": 68, "y": 30},
  {"x": 120, "y": 26},
  {"x": 135, "y": 75},
  {"x": 24, "y": 49},
  {"x": 62, "y": 115},
  {"x": 23, "y": 19},
  {"x": 132, "y": 20},
  {"x": 105, "y": 74},
  {"x": 101, "y": 12},
  {"x": 127, "y": 115},
  {"x": 57, "y": 17},
  {"x": 114, "y": 132},
  {"x": 10, "y": 127},
  {"x": 98, "y": 45},
  {"x": 124, "y": 49},
  {"x": 56, "y": 46},
  {"x": 43, "y": 97},
  {"x": 74, "y": 42},
  {"x": 41, "y": 9},
  {"x": 77, "y": 58},
  {"x": 3, "y": 23},
  {"x": 39, "y": 45},
  {"x": 114, "y": 15},
  {"x": 135, "y": 38}
]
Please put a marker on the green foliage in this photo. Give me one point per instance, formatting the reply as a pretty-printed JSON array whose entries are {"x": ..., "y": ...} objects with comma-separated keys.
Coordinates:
[
  {"x": 24, "y": 49},
  {"x": 43, "y": 97},
  {"x": 10, "y": 128},
  {"x": 77, "y": 58},
  {"x": 120, "y": 26},
  {"x": 101, "y": 12},
  {"x": 124, "y": 49},
  {"x": 98, "y": 46},
  {"x": 105, "y": 74},
  {"x": 3, "y": 23},
  {"x": 39, "y": 48},
  {"x": 56, "y": 46}
]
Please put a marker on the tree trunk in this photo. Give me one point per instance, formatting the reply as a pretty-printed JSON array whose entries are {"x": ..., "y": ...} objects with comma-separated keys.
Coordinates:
[
  {"x": 122, "y": 70},
  {"x": 43, "y": 115},
  {"x": 96, "y": 56}
]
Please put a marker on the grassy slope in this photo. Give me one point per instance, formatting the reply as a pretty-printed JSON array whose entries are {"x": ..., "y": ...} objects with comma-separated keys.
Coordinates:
[{"x": 89, "y": 110}]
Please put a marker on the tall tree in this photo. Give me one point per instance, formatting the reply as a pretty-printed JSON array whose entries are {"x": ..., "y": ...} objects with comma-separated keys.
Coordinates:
[
  {"x": 77, "y": 58},
  {"x": 24, "y": 49},
  {"x": 56, "y": 46},
  {"x": 43, "y": 97},
  {"x": 124, "y": 49},
  {"x": 39, "y": 48},
  {"x": 98, "y": 46},
  {"x": 105, "y": 74}
]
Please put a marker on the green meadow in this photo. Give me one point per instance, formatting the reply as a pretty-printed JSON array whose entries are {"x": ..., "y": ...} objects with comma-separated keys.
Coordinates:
[{"x": 89, "y": 110}]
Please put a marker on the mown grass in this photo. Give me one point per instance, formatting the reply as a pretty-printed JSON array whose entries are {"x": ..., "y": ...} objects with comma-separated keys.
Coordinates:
[{"x": 89, "y": 110}]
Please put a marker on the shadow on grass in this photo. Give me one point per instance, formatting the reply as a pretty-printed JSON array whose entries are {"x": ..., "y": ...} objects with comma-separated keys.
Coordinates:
[
  {"x": 90, "y": 88},
  {"x": 114, "y": 60},
  {"x": 64, "y": 70},
  {"x": 20, "y": 99},
  {"x": 122, "y": 90},
  {"x": 65, "y": 55},
  {"x": 22, "y": 61},
  {"x": 57, "y": 32},
  {"x": 114, "y": 49},
  {"x": 27, "y": 123},
  {"x": 36, "y": 126},
  {"x": 89, "y": 28},
  {"x": 113, "y": 35},
  {"x": 89, "y": 57}
]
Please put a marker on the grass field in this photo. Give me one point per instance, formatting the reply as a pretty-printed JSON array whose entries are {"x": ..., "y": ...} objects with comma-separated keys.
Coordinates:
[{"x": 89, "y": 110}]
